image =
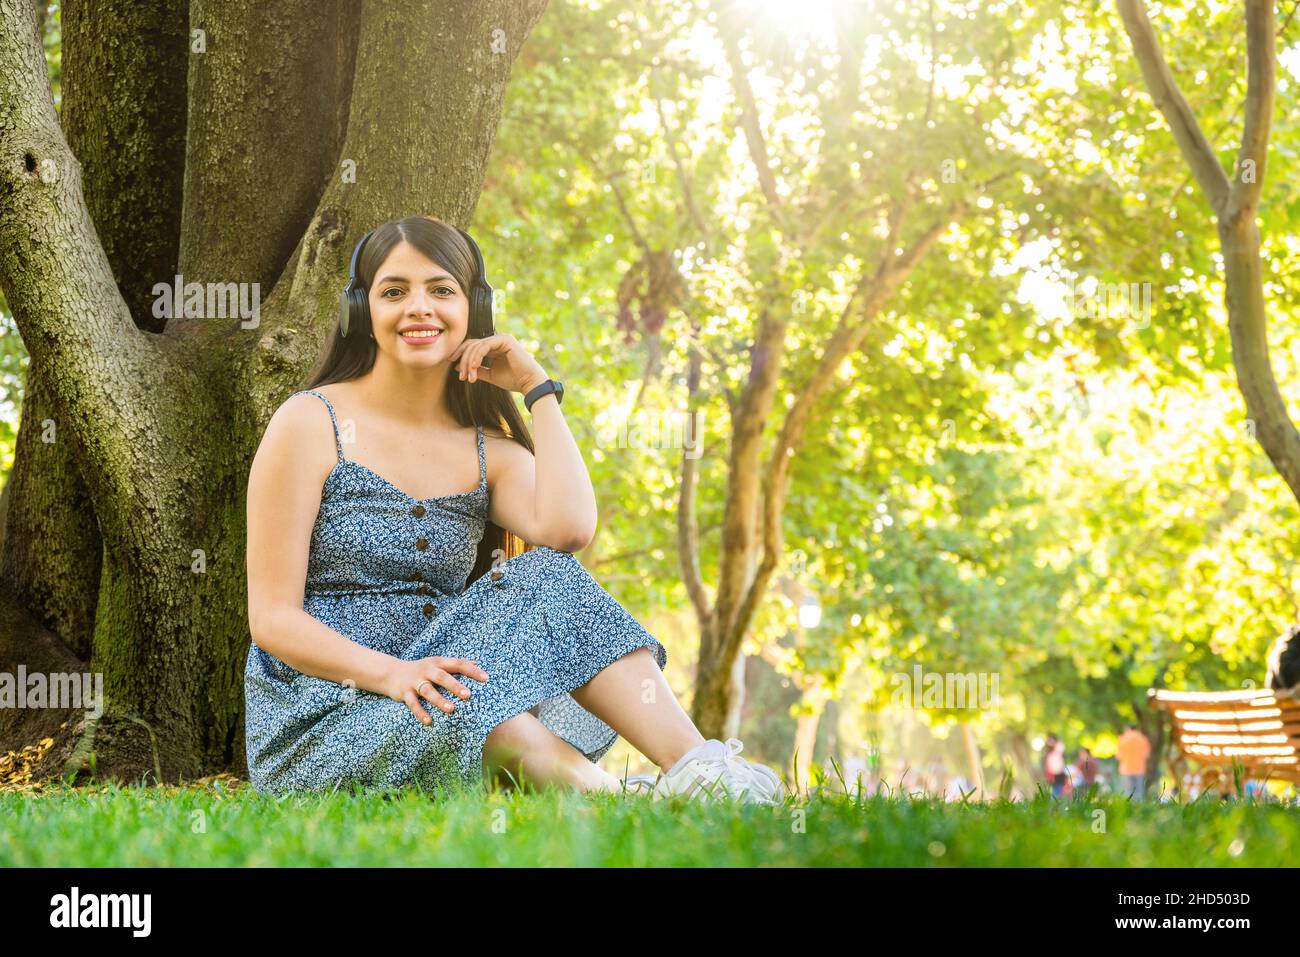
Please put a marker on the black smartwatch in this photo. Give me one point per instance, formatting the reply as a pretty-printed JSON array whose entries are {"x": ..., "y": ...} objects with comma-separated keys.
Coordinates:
[{"x": 546, "y": 388}]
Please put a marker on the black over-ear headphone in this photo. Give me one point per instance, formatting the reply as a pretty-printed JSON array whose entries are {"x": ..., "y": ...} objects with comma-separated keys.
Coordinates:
[{"x": 354, "y": 303}]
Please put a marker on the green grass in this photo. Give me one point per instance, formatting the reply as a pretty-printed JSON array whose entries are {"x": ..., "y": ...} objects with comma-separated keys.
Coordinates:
[{"x": 214, "y": 826}]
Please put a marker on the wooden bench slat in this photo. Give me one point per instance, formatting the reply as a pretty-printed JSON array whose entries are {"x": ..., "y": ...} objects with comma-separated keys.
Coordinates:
[
  {"x": 1213, "y": 697},
  {"x": 1246, "y": 728},
  {"x": 1278, "y": 757},
  {"x": 1280, "y": 744},
  {"x": 1255, "y": 706}
]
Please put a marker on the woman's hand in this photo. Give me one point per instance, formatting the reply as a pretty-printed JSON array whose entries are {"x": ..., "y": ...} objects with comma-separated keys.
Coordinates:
[
  {"x": 511, "y": 366},
  {"x": 405, "y": 675}
]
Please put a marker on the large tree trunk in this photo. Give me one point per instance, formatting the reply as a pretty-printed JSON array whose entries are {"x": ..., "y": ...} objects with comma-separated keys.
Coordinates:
[
  {"x": 805, "y": 744},
  {"x": 162, "y": 424},
  {"x": 1023, "y": 766},
  {"x": 1153, "y": 724}
]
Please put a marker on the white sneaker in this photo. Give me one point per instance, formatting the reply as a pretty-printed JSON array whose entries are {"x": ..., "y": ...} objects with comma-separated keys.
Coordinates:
[{"x": 712, "y": 771}]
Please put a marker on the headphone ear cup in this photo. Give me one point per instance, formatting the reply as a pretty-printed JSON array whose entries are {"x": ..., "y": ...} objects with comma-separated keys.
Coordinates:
[
  {"x": 354, "y": 304},
  {"x": 345, "y": 313},
  {"x": 358, "y": 309},
  {"x": 480, "y": 316},
  {"x": 482, "y": 306}
]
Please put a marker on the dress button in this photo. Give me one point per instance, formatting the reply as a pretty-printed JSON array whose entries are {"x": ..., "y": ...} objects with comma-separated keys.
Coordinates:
[
  {"x": 423, "y": 589},
  {"x": 429, "y": 609},
  {"x": 497, "y": 574},
  {"x": 418, "y": 511},
  {"x": 422, "y": 543}
]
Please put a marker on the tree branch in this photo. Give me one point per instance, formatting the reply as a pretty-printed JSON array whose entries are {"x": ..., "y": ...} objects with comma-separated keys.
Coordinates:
[
  {"x": 868, "y": 298},
  {"x": 1261, "y": 80},
  {"x": 1169, "y": 100},
  {"x": 688, "y": 535},
  {"x": 729, "y": 30},
  {"x": 683, "y": 179}
]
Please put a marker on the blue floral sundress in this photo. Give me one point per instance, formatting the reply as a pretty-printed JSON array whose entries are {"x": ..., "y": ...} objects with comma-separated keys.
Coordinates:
[{"x": 389, "y": 572}]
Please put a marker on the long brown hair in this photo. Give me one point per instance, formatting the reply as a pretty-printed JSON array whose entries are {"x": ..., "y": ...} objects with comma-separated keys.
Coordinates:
[{"x": 478, "y": 404}]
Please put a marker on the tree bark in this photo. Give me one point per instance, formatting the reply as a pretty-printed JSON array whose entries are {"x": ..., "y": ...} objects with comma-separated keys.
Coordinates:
[
  {"x": 52, "y": 549},
  {"x": 123, "y": 114}
]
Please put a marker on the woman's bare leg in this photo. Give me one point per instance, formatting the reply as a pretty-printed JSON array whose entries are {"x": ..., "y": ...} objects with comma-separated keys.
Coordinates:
[
  {"x": 632, "y": 697},
  {"x": 529, "y": 750}
]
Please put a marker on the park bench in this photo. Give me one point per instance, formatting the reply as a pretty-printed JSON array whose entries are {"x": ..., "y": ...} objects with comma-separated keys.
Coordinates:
[{"x": 1257, "y": 728}]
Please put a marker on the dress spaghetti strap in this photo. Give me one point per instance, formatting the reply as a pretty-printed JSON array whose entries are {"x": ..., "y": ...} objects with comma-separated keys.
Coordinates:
[
  {"x": 338, "y": 443},
  {"x": 482, "y": 459}
]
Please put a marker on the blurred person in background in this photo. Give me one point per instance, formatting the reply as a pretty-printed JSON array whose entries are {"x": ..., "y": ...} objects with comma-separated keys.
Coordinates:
[{"x": 1133, "y": 751}]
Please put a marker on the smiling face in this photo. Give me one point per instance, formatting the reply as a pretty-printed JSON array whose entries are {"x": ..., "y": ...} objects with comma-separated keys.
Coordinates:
[{"x": 418, "y": 311}]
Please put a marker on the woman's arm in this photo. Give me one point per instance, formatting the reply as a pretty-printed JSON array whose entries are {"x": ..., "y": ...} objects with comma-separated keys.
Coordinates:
[
  {"x": 547, "y": 499},
  {"x": 284, "y": 487}
]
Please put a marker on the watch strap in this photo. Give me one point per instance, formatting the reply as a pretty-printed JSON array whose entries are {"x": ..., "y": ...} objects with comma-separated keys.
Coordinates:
[{"x": 546, "y": 388}]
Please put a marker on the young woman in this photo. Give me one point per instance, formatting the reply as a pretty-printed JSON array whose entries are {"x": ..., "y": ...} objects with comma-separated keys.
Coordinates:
[{"x": 401, "y": 633}]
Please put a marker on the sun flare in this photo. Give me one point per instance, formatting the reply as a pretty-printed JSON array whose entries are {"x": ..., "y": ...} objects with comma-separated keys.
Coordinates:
[{"x": 812, "y": 19}]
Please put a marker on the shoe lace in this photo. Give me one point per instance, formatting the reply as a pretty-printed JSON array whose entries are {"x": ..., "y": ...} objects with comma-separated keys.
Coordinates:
[{"x": 736, "y": 770}]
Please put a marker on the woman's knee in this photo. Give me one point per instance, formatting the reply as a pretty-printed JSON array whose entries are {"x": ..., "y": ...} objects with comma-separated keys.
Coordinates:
[
  {"x": 551, "y": 758},
  {"x": 522, "y": 732}
]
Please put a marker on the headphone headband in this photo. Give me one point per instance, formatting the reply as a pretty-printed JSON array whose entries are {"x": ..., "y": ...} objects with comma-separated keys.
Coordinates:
[
  {"x": 356, "y": 256},
  {"x": 478, "y": 260}
]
